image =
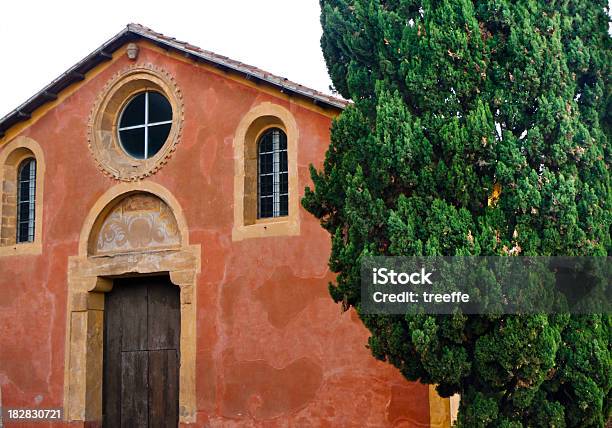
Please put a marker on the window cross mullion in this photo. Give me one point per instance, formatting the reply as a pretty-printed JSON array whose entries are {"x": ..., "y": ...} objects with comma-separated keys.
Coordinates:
[
  {"x": 127, "y": 128},
  {"x": 165, "y": 122},
  {"x": 146, "y": 126}
]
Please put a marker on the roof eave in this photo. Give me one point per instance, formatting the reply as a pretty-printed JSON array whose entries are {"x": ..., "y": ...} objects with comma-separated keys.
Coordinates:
[
  {"x": 246, "y": 72},
  {"x": 104, "y": 53},
  {"x": 74, "y": 74}
]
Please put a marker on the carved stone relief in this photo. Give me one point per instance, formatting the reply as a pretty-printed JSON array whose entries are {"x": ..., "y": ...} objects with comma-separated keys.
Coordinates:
[{"x": 139, "y": 222}]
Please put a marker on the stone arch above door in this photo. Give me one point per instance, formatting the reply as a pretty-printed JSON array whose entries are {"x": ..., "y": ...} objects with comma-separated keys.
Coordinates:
[
  {"x": 120, "y": 195},
  {"x": 147, "y": 207},
  {"x": 137, "y": 222}
]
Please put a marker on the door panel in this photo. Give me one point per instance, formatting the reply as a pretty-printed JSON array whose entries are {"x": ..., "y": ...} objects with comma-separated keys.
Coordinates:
[
  {"x": 163, "y": 382},
  {"x": 164, "y": 317},
  {"x": 141, "y": 353},
  {"x": 111, "y": 387},
  {"x": 133, "y": 314},
  {"x": 134, "y": 389}
]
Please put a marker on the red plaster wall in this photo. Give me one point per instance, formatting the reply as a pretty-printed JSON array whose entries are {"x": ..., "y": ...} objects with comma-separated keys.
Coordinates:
[{"x": 273, "y": 349}]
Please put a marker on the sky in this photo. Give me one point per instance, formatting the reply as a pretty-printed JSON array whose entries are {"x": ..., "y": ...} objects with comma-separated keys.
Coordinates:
[{"x": 39, "y": 40}]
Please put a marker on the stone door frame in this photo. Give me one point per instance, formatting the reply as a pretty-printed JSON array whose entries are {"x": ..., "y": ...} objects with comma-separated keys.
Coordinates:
[{"x": 89, "y": 277}]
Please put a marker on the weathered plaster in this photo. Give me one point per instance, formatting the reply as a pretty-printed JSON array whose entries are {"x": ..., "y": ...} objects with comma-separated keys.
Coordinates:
[{"x": 262, "y": 304}]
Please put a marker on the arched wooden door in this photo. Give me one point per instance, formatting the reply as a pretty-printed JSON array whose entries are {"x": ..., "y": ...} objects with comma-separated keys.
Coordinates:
[{"x": 141, "y": 353}]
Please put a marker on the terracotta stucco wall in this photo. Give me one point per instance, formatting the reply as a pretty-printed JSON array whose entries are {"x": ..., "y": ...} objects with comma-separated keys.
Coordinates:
[{"x": 272, "y": 348}]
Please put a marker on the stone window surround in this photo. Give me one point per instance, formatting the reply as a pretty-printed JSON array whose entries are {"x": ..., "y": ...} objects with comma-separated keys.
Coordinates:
[
  {"x": 102, "y": 132},
  {"x": 11, "y": 156},
  {"x": 90, "y": 276},
  {"x": 254, "y": 123}
]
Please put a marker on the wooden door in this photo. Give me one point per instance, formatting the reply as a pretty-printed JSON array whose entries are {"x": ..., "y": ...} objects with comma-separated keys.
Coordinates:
[{"x": 141, "y": 353}]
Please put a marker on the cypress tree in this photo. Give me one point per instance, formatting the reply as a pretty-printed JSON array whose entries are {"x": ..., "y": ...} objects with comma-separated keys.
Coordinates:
[{"x": 476, "y": 128}]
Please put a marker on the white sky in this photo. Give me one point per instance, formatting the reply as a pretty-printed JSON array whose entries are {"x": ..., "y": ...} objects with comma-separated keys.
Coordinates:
[{"x": 40, "y": 39}]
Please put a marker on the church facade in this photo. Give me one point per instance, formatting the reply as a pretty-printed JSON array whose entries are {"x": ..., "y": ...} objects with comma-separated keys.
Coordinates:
[{"x": 156, "y": 267}]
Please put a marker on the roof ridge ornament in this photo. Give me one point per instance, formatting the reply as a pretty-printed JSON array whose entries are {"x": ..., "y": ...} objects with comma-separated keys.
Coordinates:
[{"x": 132, "y": 51}]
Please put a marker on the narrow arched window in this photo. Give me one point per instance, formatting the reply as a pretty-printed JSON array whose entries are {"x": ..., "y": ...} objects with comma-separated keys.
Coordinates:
[
  {"x": 26, "y": 199},
  {"x": 273, "y": 188}
]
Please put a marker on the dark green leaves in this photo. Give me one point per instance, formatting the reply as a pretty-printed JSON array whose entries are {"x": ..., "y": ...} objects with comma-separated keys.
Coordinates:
[{"x": 452, "y": 100}]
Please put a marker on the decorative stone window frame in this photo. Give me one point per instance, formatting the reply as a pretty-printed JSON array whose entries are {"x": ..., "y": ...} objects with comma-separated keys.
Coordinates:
[
  {"x": 90, "y": 276},
  {"x": 11, "y": 156},
  {"x": 102, "y": 133},
  {"x": 254, "y": 123}
]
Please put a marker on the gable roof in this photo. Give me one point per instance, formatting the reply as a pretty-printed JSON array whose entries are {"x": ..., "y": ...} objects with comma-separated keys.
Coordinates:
[{"x": 134, "y": 32}]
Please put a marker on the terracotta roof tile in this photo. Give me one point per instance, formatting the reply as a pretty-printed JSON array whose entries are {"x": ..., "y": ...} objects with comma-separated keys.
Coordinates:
[{"x": 221, "y": 59}]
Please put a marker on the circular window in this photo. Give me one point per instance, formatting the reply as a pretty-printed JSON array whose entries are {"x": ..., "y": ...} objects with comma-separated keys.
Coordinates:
[
  {"x": 136, "y": 122},
  {"x": 144, "y": 124}
]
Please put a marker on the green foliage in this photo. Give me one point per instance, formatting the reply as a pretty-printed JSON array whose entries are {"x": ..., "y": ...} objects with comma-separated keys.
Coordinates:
[{"x": 453, "y": 100}]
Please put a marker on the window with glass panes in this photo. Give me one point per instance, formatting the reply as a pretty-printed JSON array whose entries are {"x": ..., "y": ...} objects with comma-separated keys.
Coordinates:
[
  {"x": 145, "y": 124},
  {"x": 273, "y": 183},
  {"x": 26, "y": 200}
]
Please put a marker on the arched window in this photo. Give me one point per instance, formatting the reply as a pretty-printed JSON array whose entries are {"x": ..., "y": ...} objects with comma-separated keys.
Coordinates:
[
  {"x": 26, "y": 200},
  {"x": 266, "y": 182},
  {"x": 273, "y": 189}
]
